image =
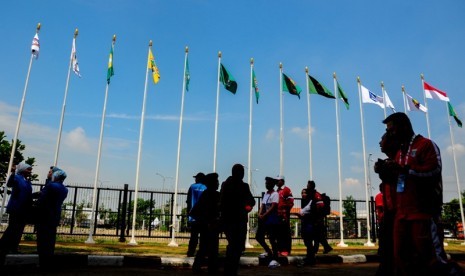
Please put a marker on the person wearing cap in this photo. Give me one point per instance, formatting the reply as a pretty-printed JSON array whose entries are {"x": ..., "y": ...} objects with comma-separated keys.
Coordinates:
[
  {"x": 206, "y": 213},
  {"x": 286, "y": 202},
  {"x": 18, "y": 209},
  {"x": 49, "y": 204},
  {"x": 193, "y": 196}
]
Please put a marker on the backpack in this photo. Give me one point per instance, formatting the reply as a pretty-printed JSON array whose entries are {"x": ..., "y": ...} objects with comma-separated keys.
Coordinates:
[{"x": 327, "y": 202}]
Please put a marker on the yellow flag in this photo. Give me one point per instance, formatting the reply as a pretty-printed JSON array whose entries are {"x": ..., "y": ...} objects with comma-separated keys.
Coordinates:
[{"x": 153, "y": 66}]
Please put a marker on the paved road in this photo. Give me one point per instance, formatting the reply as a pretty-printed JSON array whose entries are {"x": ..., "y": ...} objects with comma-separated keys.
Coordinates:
[
  {"x": 323, "y": 269},
  {"x": 357, "y": 269}
]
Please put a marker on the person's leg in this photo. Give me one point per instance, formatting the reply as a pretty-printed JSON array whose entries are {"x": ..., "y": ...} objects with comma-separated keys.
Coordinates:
[
  {"x": 203, "y": 248},
  {"x": 235, "y": 234},
  {"x": 425, "y": 255},
  {"x": 288, "y": 242},
  {"x": 260, "y": 237},
  {"x": 308, "y": 237},
  {"x": 194, "y": 239},
  {"x": 46, "y": 237},
  {"x": 212, "y": 254},
  {"x": 12, "y": 235},
  {"x": 273, "y": 238}
]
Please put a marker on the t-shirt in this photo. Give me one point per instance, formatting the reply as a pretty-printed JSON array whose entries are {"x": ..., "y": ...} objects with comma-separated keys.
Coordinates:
[{"x": 269, "y": 199}]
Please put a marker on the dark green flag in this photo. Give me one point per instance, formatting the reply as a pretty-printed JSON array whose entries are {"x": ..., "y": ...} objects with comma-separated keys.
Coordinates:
[
  {"x": 342, "y": 95},
  {"x": 454, "y": 114},
  {"x": 227, "y": 79},
  {"x": 317, "y": 88},
  {"x": 290, "y": 86}
]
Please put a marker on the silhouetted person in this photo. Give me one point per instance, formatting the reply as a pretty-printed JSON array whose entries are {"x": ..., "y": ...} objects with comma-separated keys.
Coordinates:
[
  {"x": 206, "y": 213},
  {"x": 418, "y": 166},
  {"x": 268, "y": 221},
  {"x": 236, "y": 201},
  {"x": 193, "y": 196},
  {"x": 318, "y": 218},
  {"x": 50, "y": 201},
  {"x": 286, "y": 202},
  {"x": 18, "y": 208}
]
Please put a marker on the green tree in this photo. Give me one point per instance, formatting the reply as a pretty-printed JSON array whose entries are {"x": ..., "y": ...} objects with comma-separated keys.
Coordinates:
[
  {"x": 143, "y": 210},
  {"x": 5, "y": 152},
  {"x": 350, "y": 214}
]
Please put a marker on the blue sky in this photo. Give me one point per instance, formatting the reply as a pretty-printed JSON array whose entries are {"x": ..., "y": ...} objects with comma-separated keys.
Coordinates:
[{"x": 393, "y": 42}]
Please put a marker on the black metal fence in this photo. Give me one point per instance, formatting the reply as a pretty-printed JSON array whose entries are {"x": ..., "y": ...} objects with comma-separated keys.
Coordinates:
[{"x": 113, "y": 216}]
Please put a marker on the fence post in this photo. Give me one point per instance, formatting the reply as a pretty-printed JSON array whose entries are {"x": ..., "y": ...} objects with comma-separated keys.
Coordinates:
[
  {"x": 123, "y": 213},
  {"x": 373, "y": 224}
]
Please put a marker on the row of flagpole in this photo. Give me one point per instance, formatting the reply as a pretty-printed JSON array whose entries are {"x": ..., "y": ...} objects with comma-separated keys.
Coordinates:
[{"x": 286, "y": 84}]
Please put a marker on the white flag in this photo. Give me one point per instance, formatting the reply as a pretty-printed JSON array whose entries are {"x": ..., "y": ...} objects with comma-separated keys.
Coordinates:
[
  {"x": 370, "y": 97},
  {"x": 75, "y": 63},
  {"x": 388, "y": 102},
  {"x": 35, "y": 48},
  {"x": 414, "y": 105}
]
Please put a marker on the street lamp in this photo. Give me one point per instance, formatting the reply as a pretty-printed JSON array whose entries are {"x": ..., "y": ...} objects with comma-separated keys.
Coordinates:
[{"x": 164, "y": 179}]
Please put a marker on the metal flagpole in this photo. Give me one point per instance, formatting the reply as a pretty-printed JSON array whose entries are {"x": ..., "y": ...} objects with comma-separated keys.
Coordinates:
[
  {"x": 99, "y": 153},
  {"x": 216, "y": 116},
  {"x": 456, "y": 172},
  {"x": 139, "y": 152},
  {"x": 18, "y": 123},
  {"x": 341, "y": 222},
  {"x": 60, "y": 128},
  {"x": 310, "y": 163},
  {"x": 384, "y": 98},
  {"x": 173, "y": 242},
  {"x": 426, "y": 104},
  {"x": 368, "y": 243},
  {"x": 281, "y": 134},
  {"x": 405, "y": 100},
  {"x": 249, "y": 161}
]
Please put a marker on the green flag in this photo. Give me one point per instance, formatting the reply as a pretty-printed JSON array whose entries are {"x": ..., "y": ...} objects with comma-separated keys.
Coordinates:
[
  {"x": 342, "y": 95},
  {"x": 454, "y": 114},
  {"x": 187, "y": 75},
  {"x": 291, "y": 86},
  {"x": 228, "y": 80},
  {"x": 317, "y": 88},
  {"x": 255, "y": 85},
  {"x": 110, "y": 71}
]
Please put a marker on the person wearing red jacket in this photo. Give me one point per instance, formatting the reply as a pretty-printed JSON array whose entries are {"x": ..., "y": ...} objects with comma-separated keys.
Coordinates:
[
  {"x": 418, "y": 198},
  {"x": 286, "y": 202}
]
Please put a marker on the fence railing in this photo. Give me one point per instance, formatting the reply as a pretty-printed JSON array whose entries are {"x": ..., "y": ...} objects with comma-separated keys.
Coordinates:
[{"x": 154, "y": 216}]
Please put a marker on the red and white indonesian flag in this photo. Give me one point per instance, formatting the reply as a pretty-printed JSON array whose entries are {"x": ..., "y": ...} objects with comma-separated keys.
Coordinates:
[
  {"x": 414, "y": 105},
  {"x": 434, "y": 93},
  {"x": 35, "y": 48}
]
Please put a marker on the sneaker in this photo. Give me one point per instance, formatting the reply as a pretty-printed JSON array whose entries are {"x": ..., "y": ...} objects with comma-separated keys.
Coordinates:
[
  {"x": 263, "y": 255},
  {"x": 284, "y": 253},
  {"x": 274, "y": 264}
]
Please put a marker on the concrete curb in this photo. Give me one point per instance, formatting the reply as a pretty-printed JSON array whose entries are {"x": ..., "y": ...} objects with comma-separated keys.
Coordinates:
[{"x": 79, "y": 260}]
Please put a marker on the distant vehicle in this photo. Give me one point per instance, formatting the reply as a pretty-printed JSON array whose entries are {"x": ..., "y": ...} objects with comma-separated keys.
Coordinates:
[
  {"x": 156, "y": 223},
  {"x": 448, "y": 234}
]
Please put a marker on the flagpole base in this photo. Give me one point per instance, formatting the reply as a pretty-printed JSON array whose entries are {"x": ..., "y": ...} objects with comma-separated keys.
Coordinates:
[
  {"x": 368, "y": 243},
  {"x": 248, "y": 245},
  {"x": 132, "y": 242},
  {"x": 173, "y": 243},
  {"x": 90, "y": 240},
  {"x": 342, "y": 244}
]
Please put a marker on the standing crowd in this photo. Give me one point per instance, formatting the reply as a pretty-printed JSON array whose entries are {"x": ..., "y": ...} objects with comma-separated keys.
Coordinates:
[
  {"x": 408, "y": 211},
  {"x": 212, "y": 212}
]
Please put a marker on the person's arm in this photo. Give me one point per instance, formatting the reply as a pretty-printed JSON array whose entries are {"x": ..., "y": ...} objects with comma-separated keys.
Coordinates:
[
  {"x": 430, "y": 158},
  {"x": 12, "y": 181},
  {"x": 306, "y": 210}
]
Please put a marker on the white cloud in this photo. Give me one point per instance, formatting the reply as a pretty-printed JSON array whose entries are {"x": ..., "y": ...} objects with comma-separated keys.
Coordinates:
[
  {"x": 458, "y": 148},
  {"x": 302, "y": 131},
  {"x": 351, "y": 182},
  {"x": 77, "y": 141},
  {"x": 270, "y": 134}
]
